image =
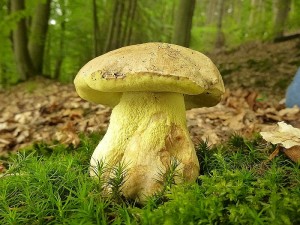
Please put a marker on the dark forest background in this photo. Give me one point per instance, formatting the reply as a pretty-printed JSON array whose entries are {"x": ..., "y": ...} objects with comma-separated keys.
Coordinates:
[{"x": 54, "y": 38}]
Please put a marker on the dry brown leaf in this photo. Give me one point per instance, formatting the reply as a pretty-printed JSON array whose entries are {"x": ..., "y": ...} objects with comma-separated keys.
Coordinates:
[
  {"x": 67, "y": 137},
  {"x": 73, "y": 114},
  {"x": 236, "y": 122},
  {"x": 251, "y": 99},
  {"x": 293, "y": 153},
  {"x": 211, "y": 137},
  {"x": 289, "y": 111},
  {"x": 23, "y": 117},
  {"x": 4, "y": 141},
  {"x": 2, "y": 168},
  {"x": 67, "y": 134},
  {"x": 21, "y": 137},
  {"x": 286, "y": 135}
]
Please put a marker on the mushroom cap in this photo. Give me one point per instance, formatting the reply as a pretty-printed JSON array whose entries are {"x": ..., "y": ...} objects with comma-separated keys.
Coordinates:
[{"x": 151, "y": 67}]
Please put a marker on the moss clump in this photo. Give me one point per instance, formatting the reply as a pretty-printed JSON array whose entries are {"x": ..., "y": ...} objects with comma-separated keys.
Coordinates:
[{"x": 237, "y": 185}]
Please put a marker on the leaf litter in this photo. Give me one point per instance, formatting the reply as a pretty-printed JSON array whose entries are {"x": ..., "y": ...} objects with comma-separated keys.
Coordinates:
[
  {"x": 51, "y": 112},
  {"x": 48, "y": 111},
  {"x": 288, "y": 139},
  {"x": 54, "y": 112}
]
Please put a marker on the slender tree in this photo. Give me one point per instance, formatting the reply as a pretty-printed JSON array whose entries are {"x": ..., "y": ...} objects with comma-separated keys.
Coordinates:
[
  {"x": 96, "y": 30},
  {"x": 38, "y": 33},
  {"x": 115, "y": 29},
  {"x": 61, "y": 49},
  {"x": 183, "y": 22},
  {"x": 29, "y": 54},
  {"x": 255, "y": 12},
  {"x": 20, "y": 41},
  {"x": 220, "y": 39},
  {"x": 281, "y": 11},
  {"x": 210, "y": 11},
  {"x": 128, "y": 23}
]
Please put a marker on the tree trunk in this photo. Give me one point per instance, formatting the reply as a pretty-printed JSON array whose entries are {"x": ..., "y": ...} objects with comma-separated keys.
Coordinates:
[
  {"x": 127, "y": 30},
  {"x": 117, "y": 42},
  {"x": 281, "y": 11},
  {"x": 130, "y": 26},
  {"x": 127, "y": 21},
  {"x": 97, "y": 49},
  {"x": 3, "y": 77},
  {"x": 220, "y": 39},
  {"x": 111, "y": 27},
  {"x": 39, "y": 28},
  {"x": 183, "y": 22},
  {"x": 19, "y": 38},
  {"x": 115, "y": 29},
  {"x": 60, "y": 56},
  {"x": 253, "y": 18},
  {"x": 210, "y": 12},
  {"x": 47, "y": 61}
]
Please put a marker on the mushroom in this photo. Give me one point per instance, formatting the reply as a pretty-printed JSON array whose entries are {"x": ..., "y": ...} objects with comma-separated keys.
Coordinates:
[{"x": 149, "y": 86}]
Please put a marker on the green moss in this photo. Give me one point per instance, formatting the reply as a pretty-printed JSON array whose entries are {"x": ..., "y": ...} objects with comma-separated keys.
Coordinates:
[{"x": 238, "y": 185}]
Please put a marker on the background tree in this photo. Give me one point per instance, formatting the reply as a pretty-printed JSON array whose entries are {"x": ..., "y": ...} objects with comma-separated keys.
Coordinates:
[
  {"x": 115, "y": 29},
  {"x": 29, "y": 56},
  {"x": 131, "y": 6},
  {"x": 60, "y": 52},
  {"x": 38, "y": 33},
  {"x": 220, "y": 39},
  {"x": 254, "y": 12},
  {"x": 210, "y": 11},
  {"x": 183, "y": 22},
  {"x": 281, "y": 10},
  {"x": 20, "y": 42},
  {"x": 96, "y": 30},
  {"x": 60, "y": 40}
]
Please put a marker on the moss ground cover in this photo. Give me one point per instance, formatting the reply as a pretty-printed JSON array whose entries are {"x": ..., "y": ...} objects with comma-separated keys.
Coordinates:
[{"x": 50, "y": 184}]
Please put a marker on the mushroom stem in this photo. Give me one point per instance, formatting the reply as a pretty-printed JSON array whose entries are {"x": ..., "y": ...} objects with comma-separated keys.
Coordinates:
[{"x": 147, "y": 130}]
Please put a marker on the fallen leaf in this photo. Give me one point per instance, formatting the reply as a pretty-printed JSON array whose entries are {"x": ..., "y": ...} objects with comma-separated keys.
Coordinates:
[
  {"x": 67, "y": 137},
  {"x": 289, "y": 111},
  {"x": 251, "y": 99},
  {"x": 236, "y": 122},
  {"x": 293, "y": 153},
  {"x": 2, "y": 168},
  {"x": 286, "y": 135}
]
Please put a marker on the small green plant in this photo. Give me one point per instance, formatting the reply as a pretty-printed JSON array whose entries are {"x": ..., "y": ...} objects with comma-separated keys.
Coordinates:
[
  {"x": 116, "y": 181},
  {"x": 167, "y": 180},
  {"x": 50, "y": 184}
]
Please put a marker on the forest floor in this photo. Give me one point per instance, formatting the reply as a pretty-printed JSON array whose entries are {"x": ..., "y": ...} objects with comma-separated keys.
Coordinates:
[{"x": 255, "y": 76}]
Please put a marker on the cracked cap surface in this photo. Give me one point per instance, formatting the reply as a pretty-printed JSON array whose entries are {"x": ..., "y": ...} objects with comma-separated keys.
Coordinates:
[{"x": 151, "y": 67}]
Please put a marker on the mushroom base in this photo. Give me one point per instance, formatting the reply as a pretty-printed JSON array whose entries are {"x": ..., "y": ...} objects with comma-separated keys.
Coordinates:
[{"x": 146, "y": 132}]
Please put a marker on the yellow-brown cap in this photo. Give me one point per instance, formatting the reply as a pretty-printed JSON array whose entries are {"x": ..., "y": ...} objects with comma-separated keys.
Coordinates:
[{"x": 151, "y": 67}]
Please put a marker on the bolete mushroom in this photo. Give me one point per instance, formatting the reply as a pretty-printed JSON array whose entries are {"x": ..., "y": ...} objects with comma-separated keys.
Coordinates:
[{"x": 149, "y": 86}]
